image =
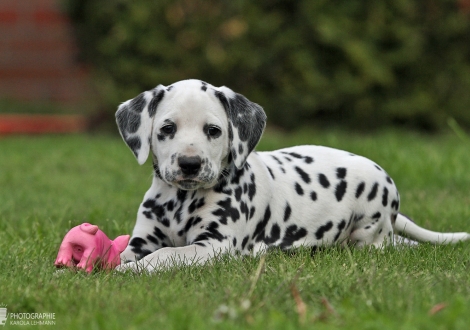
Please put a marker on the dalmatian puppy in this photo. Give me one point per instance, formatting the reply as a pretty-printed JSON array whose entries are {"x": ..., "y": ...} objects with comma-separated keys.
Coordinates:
[{"x": 212, "y": 194}]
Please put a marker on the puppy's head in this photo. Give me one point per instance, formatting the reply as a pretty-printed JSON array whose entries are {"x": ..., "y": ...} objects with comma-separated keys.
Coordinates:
[{"x": 193, "y": 129}]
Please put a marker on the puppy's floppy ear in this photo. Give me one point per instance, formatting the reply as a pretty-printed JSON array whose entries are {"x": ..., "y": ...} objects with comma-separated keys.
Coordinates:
[
  {"x": 134, "y": 119},
  {"x": 246, "y": 123}
]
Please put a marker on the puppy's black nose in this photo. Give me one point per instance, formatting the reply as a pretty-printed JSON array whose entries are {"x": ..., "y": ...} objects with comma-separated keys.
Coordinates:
[{"x": 190, "y": 165}]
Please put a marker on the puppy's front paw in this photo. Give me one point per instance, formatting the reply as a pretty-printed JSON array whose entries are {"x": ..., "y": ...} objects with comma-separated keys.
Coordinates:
[{"x": 128, "y": 266}]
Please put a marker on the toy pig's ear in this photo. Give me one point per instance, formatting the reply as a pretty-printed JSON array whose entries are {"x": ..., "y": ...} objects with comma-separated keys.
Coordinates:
[
  {"x": 121, "y": 242},
  {"x": 134, "y": 119},
  {"x": 89, "y": 228},
  {"x": 246, "y": 122}
]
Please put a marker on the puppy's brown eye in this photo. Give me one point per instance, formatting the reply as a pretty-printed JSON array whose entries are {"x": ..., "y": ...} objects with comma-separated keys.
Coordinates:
[
  {"x": 168, "y": 129},
  {"x": 213, "y": 131}
]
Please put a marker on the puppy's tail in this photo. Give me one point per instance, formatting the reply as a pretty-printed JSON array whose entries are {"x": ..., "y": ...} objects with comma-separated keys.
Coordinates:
[{"x": 405, "y": 226}]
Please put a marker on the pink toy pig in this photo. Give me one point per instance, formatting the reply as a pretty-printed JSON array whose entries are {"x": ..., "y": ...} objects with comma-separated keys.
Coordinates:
[{"x": 85, "y": 246}]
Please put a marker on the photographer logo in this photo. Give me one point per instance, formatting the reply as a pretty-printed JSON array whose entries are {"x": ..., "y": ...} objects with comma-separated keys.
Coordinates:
[
  {"x": 3, "y": 315},
  {"x": 25, "y": 318}
]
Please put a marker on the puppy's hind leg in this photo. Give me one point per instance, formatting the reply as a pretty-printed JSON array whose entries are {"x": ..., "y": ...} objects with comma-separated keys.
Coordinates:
[{"x": 376, "y": 231}]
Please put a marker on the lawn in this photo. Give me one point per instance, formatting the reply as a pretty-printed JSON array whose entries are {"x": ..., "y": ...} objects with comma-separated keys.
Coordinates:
[{"x": 50, "y": 184}]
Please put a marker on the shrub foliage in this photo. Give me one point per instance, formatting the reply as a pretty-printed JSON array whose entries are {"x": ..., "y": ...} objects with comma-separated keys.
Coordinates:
[{"x": 358, "y": 63}]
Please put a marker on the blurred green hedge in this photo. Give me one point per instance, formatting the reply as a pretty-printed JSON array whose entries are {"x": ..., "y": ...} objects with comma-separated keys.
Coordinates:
[{"x": 359, "y": 63}]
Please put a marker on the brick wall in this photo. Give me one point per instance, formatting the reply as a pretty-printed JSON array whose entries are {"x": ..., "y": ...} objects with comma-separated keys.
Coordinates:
[{"x": 38, "y": 56}]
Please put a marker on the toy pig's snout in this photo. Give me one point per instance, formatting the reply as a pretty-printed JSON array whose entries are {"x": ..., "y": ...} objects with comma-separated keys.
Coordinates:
[{"x": 77, "y": 253}]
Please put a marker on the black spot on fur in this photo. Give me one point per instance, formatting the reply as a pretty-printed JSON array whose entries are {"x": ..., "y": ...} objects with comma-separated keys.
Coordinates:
[
  {"x": 307, "y": 159},
  {"x": 137, "y": 242},
  {"x": 304, "y": 176},
  {"x": 360, "y": 189},
  {"x": 192, "y": 221},
  {"x": 181, "y": 195},
  {"x": 274, "y": 235},
  {"x": 147, "y": 214},
  {"x": 154, "y": 208},
  {"x": 196, "y": 204},
  {"x": 389, "y": 180},
  {"x": 178, "y": 213},
  {"x": 376, "y": 215},
  {"x": 271, "y": 173},
  {"x": 252, "y": 212},
  {"x": 358, "y": 217},
  {"x": 340, "y": 172},
  {"x": 134, "y": 144},
  {"x": 128, "y": 120},
  {"x": 299, "y": 189},
  {"x": 293, "y": 154},
  {"x": 287, "y": 212},
  {"x": 238, "y": 174},
  {"x": 234, "y": 154},
  {"x": 259, "y": 234},
  {"x": 238, "y": 193},
  {"x": 292, "y": 234},
  {"x": 252, "y": 187},
  {"x": 244, "y": 210},
  {"x": 165, "y": 222},
  {"x": 340, "y": 190},
  {"x": 152, "y": 239},
  {"x": 313, "y": 196},
  {"x": 341, "y": 226},
  {"x": 156, "y": 171},
  {"x": 138, "y": 103},
  {"x": 226, "y": 211},
  {"x": 170, "y": 205},
  {"x": 323, "y": 229},
  {"x": 323, "y": 180},
  {"x": 244, "y": 242},
  {"x": 211, "y": 232},
  {"x": 152, "y": 108},
  {"x": 221, "y": 187},
  {"x": 157, "y": 232},
  {"x": 276, "y": 159},
  {"x": 373, "y": 192},
  {"x": 385, "y": 197},
  {"x": 395, "y": 205}
]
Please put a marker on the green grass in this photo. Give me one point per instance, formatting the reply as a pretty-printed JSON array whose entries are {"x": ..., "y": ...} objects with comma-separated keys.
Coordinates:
[{"x": 50, "y": 184}]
